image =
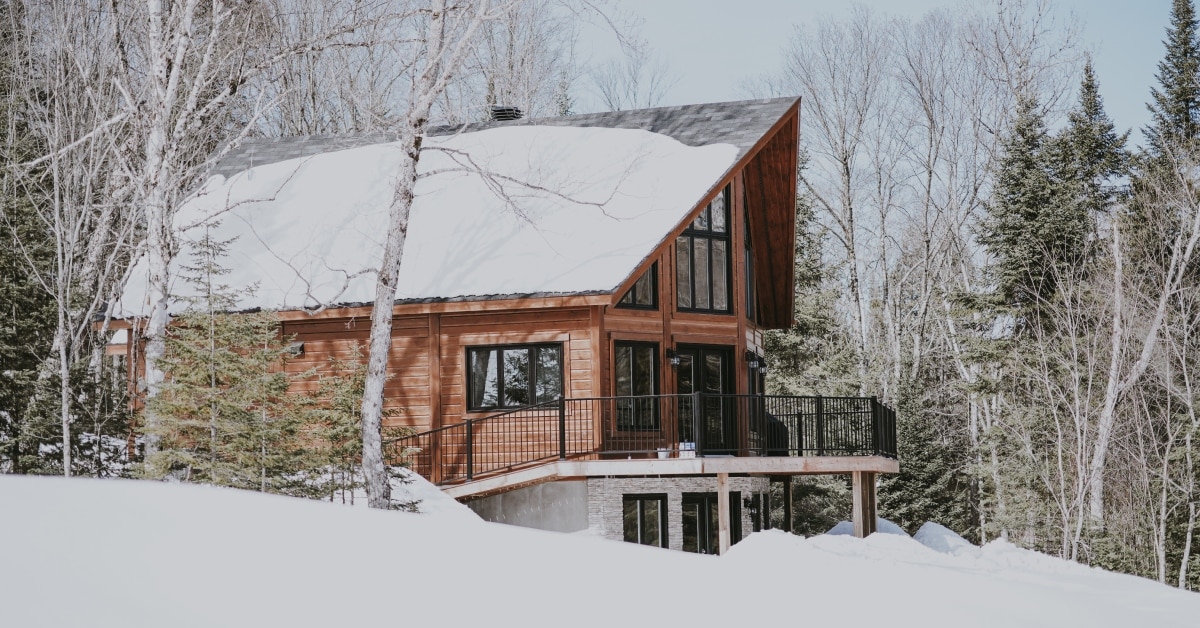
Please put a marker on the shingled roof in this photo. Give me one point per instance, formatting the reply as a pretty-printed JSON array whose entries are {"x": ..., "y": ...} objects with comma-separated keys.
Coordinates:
[{"x": 740, "y": 123}]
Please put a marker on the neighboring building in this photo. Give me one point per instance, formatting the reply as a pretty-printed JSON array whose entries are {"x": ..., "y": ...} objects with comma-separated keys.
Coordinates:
[{"x": 578, "y": 329}]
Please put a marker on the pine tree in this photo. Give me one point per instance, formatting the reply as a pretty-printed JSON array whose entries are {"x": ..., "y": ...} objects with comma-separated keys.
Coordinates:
[
  {"x": 1089, "y": 153},
  {"x": 1029, "y": 227},
  {"x": 1175, "y": 105},
  {"x": 226, "y": 417}
]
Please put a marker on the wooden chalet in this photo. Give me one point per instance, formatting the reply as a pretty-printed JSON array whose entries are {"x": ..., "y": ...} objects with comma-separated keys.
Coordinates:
[{"x": 634, "y": 408}]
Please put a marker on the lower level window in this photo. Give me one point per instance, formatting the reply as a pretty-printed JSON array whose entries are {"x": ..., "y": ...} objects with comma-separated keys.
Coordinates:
[
  {"x": 512, "y": 376},
  {"x": 645, "y": 519}
]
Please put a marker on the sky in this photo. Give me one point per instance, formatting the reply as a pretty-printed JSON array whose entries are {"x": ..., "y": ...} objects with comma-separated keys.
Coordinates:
[{"x": 714, "y": 45}]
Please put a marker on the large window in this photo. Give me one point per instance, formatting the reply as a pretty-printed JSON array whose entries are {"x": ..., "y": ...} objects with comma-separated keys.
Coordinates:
[
  {"x": 512, "y": 376},
  {"x": 645, "y": 519},
  {"x": 644, "y": 293},
  {"x": 636, "y": 372},
  {"x": 702, "y": 260}
]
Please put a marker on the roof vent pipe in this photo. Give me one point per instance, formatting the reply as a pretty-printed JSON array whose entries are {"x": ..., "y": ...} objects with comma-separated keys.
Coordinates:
[{"x": 503, "y": 113}]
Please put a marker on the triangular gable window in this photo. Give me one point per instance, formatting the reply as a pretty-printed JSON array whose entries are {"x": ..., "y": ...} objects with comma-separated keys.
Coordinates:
[{"x": 644, "y": 293}]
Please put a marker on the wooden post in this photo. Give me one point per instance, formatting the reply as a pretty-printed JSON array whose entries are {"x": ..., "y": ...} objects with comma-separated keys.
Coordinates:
[
  {"x": 864, "y": 503},
  {"x": 723, "y": 512}
]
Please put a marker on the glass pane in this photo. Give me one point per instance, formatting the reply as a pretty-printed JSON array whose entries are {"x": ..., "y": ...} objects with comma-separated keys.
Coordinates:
[
  {"x": 516, "y": 377},
  {"x": 651, "y": 522},
  {"x": 683, "y": 271},
  {"x": 548, "y": 382},
  {"x": 686, "y": 386},
  {"x": 631, "y": 520},
  {"x": 645, "y": 289},
  {"x": 691, "y": 527},
  {"x": 713, "y": 363},
  {"x": 717, "y": 208},
  {"x": 720, "y": 289},
  {"x": 624, "y": 370},
  {"x": 643, "y": 383},
  {"x": 700, "y": 259},
  {"x": 713, "y": 526},
  {"x": 484, "y": 389},
  {"x": 628, "y": 298},
  {"x": 701, "y": 221}
]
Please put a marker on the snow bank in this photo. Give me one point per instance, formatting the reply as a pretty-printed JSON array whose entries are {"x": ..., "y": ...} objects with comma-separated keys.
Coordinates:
[
  {"x": 939, "y": 538},
  {"x": 511, "y": 210},
  {"x": 882, "y": 526},
  {"x": 124, "y": 553}
]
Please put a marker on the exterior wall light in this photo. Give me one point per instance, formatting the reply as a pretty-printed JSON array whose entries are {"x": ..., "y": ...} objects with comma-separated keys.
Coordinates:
[{"x": 672, "y": 357}]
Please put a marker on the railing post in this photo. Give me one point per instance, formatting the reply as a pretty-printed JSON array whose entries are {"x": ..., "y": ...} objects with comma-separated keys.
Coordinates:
[
  {"x": 697, "y": 433},
  {"x": 562, "y": 429},
  {"x": 470, "y": 451},
  {"x": 875, "y": 427},
  {"x": 820, "y": 402}
]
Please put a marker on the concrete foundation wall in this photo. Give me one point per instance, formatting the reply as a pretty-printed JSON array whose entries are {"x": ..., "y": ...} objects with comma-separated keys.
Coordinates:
[
  {"x": 554, "y": 506},
  {"x": 605, "y": 511}
]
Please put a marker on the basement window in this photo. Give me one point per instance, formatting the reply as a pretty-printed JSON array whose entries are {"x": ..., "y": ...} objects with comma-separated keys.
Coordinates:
[
  {"x": 512, "y": 376},
  {"x": 645, "y": 519}
]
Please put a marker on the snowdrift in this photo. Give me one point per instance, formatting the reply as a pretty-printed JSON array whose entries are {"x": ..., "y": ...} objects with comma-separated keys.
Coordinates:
[{"x": 125, "y": 553}]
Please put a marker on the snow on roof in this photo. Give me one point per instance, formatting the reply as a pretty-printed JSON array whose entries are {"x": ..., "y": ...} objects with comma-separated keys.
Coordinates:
[{"x": 504, "y": 211}]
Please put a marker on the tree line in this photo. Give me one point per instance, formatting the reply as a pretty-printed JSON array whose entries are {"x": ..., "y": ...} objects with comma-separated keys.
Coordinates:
[
  {"x": 980, "y": 246},
  {"x": 115, "y": 112}
]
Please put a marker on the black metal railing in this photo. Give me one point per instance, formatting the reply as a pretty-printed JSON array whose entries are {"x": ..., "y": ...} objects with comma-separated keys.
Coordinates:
[{"x": 654, "y": 426}]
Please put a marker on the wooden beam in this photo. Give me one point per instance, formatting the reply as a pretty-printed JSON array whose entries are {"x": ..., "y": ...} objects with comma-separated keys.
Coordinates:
[
  {"x": 435, "y": 394},
  {"x": 723, "y": 512},
  {"x": 864, "y": 503}
]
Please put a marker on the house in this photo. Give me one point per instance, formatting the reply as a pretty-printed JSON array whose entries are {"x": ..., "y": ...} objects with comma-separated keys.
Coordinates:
[{"x": 579, "y": 321}]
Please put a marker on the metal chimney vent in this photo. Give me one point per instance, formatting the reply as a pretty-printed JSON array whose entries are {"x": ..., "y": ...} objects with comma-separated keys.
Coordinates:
[{"x": 501, "y": 113}]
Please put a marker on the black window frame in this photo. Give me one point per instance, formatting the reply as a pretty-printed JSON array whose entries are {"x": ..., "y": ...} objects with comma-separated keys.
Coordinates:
[
  {"x": 643, "y": 413},
  {"x": 531, "y": 375},
  {"x": 701, "y": 228},
  {"x": 639, "y": 499},
  {"x": 632, "y": 293}
]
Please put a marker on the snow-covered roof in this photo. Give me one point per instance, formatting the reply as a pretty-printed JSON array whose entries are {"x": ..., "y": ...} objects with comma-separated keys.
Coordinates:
[{"x": 530, "y": 208}]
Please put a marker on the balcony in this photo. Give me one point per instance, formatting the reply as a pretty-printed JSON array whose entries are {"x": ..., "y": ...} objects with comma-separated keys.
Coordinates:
[{"x": 659, "y": 427}]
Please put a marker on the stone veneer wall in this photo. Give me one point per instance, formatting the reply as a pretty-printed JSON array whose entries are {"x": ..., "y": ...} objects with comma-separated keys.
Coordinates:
[{"x": 605, "y": 509}]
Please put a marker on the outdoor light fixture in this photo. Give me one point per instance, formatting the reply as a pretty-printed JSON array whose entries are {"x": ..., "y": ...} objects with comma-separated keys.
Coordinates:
[
  {"x": 296, "y": 348},
  {"x": 753, "y": 361},
  {"x": 672, "y": 357}
]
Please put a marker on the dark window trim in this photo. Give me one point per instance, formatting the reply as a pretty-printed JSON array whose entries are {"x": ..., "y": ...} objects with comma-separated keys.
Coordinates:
[
  {"x": 692, "y": 233},
  {"x": 655, "y": 368},
  {"x": 653, "y": 273},
  {"x": 470, "y": 387},
  {"x": 661, "y": 498}
]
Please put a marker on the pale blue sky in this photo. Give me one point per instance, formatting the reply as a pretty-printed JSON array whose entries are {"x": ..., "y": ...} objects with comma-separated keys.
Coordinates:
[{"x": 713, "y": 45}]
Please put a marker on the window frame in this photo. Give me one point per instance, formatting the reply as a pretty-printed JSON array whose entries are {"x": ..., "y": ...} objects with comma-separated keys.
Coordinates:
[
  {"x": 500, "y": 387},
  {"x": 692, "y": 233},
  {"x": 652, "y": 272},
  {"x": 640, "y": 499},
  {"x": 655, "y": 423}
]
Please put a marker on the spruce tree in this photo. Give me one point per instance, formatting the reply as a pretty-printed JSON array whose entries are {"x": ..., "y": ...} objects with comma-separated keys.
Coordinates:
[
  {"x": 1175, "y": 104},
  {"x": 1026, "y": 228},
  {"x": 226, "y": 416},
  {"x": 1089, "y": 153}
]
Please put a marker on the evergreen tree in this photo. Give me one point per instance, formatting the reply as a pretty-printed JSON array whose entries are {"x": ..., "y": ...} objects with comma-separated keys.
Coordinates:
[
  {"x": 226, "y": 417},
  {"x": 1089, "y": 153},
  {"x": 1175, "y": 105},
  {"x": 1030, "y": 225}
]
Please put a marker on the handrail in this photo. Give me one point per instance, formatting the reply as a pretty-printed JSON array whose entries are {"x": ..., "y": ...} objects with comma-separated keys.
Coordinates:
[{"x": 663, "y": 426}]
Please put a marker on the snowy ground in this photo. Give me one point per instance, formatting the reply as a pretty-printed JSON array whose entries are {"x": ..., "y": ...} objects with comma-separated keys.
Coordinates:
[{"x": 125, "y": 553}]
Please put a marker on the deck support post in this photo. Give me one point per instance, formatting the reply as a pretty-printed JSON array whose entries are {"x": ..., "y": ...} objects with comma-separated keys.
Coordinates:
[
  {"x": 723, "y": 512},
  {"x": 864, "y": 503}
]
